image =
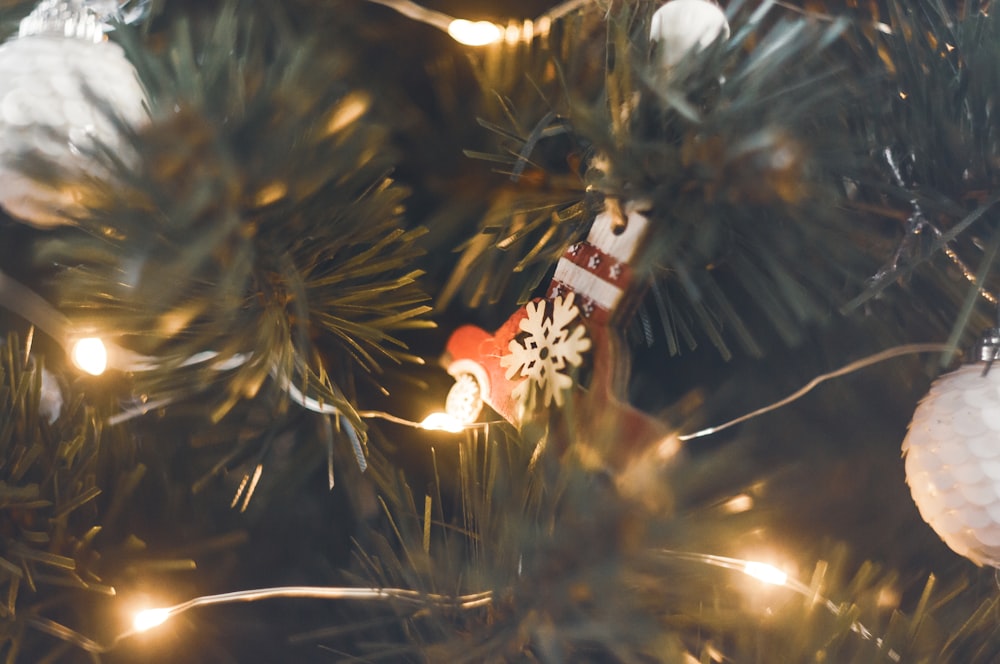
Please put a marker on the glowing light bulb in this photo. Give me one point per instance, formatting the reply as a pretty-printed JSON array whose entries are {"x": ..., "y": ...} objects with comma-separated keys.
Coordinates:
[
  {"x": 738, "y": 504},
  {"x": 150, "y": 618},
  {"x": 474, "y": 33},
  {"x": 765, "y": 573},
  {"x": 90, "y": 355},
  {"x": 442, "y": 422}
]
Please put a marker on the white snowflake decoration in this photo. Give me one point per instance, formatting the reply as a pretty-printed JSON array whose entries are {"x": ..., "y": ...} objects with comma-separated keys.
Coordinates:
[{"x": 552, "y": 346}]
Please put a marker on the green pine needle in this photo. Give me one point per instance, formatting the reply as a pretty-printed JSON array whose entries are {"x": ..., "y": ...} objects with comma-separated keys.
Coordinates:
[
  {"x": 738, "y": 151},
  {"x": 259, "y": 221}
]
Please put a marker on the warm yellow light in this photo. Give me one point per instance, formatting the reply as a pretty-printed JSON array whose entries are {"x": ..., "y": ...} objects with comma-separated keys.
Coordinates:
[
  {"x": 442, "y": 422},
  {"x": 765, "y": 573},
  {"x": 474, "y": 33},
  {"x": 149, "y": 618},
  {"x": 349, "y": 109},
  {"x": 90, "y": 355},
  {"x": 738, "y": 504}
]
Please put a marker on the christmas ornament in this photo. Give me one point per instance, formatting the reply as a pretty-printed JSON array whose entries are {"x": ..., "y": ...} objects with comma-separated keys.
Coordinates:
[
  {"x": 531, "y": 362},
  {"x": 682, "y": 25},
  {"x": 952, "y": 455},
  {"x": 64, "y": 82},
  {"x": 553, "y": 342}
]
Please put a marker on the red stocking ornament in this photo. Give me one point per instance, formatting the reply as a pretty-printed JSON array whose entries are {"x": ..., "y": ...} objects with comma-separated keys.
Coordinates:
[{"x": 529, "y": 364}]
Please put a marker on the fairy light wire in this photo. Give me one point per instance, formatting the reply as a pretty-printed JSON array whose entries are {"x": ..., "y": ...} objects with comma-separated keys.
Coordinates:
[
  {"x": 773, "y": 576},
  {"x": 32, "y": 307},
  {"x": 460, "y": 29},
  {"x": 413, "y": 597},
  {"x": 564, "y": 9},
  {"x": 148, "y": 619},
  {"x": 888, "y": 354},
  {"x": 447, "y": 23},
  {"x": 395, "y": 419},
  {"x": 38, "y": 311},
  {"x": 418, "y": 13},
  {"x": 35, "y": 309}
]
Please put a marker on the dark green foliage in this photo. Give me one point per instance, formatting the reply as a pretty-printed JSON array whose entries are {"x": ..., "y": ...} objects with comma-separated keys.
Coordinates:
[
  {"x": 933, "y": 148},
  {"x": 766, "y": 240},
  {"x": 259, "y": 223},
  {"x": 786, "y": 176},
  {"x": 736, "y": 153},
  {"x": 58, "y": 467},
  {"x": 587, "y": 566}
]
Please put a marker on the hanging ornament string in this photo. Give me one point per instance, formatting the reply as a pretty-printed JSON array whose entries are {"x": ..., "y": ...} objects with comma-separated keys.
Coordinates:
[{"x": 888, "y": 354}]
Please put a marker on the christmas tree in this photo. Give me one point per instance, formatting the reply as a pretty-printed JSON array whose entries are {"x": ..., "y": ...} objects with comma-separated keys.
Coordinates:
[{"x": 499, "y": 332}]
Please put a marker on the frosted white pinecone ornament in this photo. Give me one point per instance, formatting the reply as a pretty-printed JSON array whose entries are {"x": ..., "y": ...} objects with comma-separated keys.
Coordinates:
[
  {"x": 59, "y": 78},
  {"x": 953, "y": 458}
]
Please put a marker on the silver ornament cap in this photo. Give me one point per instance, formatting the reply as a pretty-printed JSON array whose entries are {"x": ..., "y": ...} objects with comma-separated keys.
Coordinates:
[
  {"x": 952, "y": 452},
  {"x": 61, "y": 83}
]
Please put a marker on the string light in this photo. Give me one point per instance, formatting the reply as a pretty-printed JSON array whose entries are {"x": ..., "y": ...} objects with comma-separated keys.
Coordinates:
[
  {"x": 434, "y": 422},
  {"x": 483, "y": 33},
  {"x": 442, "y": 422},
  {"x": 149, "y": 618},
  {"x": 475, "y": 33},
  {"x": 95, "y": 355},
  {"x": 89, "y": 354},
  {"x": 771, "y": 575},
  {"x": 897, "y": 351},
  {"x": 765, "y": 573}
]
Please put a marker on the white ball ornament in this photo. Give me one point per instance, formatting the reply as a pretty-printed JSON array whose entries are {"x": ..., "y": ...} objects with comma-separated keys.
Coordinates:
[
  {"x": 56, "y": 77},
  {"x": 682, "y": 25},
  {"x": 952, "y": 455}
]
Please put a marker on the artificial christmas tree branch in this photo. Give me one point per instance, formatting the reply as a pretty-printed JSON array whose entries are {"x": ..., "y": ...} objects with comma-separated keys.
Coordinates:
[
  {"x": 218, "y": 269},
  {"x": 310, "y": 183}
]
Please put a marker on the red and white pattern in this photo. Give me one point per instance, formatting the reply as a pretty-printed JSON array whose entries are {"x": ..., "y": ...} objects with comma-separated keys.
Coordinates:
[
  {"x": 598, "y": 278},
  {"x": 599, "y": 270}
]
